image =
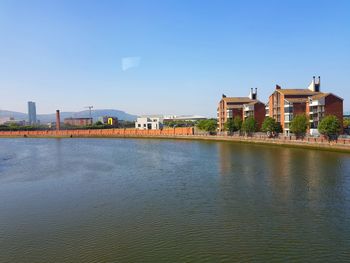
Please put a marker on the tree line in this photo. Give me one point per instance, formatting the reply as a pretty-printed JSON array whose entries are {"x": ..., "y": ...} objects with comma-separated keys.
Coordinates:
[{"x": 330, "y": 126}]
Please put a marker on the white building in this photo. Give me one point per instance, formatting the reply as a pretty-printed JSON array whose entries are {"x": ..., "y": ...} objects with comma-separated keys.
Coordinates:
[
  {"x": 184, "y": 118},
  {"x": 149, "y": 123}
]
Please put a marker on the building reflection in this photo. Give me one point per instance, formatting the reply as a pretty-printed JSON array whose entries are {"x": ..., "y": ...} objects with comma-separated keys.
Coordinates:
[{"x": 278, "y": 172}]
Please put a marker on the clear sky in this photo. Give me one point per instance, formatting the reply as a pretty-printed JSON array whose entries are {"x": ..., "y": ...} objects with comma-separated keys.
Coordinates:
[{"x": 167, "y": 57}]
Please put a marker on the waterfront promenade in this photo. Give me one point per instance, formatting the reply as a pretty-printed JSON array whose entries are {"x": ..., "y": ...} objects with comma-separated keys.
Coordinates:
[{"x": 188, "y": 134}]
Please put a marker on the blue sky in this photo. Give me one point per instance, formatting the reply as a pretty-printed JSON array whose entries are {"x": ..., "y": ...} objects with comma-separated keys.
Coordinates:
[{"x": 167, "y": 57}]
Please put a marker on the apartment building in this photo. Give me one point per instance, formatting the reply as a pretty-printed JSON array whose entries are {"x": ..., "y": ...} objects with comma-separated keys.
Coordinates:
[
  {"x": 321, "y": 105},
  {"x": 230, "y": 107},
  {"x": 284, "y": 104}
]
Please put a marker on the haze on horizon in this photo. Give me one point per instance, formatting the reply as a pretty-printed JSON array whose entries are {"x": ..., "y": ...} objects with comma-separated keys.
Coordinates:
[{"x": 167, "y": 57}]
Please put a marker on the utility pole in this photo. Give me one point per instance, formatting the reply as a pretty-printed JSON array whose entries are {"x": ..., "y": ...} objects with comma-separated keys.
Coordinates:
[{"x": 89, "y": 107}]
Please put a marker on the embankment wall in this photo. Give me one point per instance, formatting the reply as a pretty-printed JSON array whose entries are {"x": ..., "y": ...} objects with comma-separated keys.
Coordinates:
[
  {"x": 188, "y": 134},
  {"x": 99, "y": 132}
]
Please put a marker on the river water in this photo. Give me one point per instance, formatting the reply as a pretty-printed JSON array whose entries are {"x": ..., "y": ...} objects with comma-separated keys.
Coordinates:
[{"x": 144, "y": 200}]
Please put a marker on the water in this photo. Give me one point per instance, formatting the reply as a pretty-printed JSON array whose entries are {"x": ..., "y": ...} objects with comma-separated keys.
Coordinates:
[{"x": 130, "y": 200}]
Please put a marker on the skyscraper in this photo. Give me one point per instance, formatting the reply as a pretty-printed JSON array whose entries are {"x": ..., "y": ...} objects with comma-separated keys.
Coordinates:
[{"x": 31, "y": 112}]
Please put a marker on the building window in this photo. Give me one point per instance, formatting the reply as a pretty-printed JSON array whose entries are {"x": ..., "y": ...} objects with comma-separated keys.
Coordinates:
[
  {"x": 288, "y": 109},
  {"x": 288, "y": 117}
]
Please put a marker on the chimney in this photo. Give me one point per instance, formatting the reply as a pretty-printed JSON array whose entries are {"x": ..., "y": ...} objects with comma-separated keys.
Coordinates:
[
  {"x": 251, "y": 94},
  {"x": 58, "y": 120},
  {"x": 318, "y": 84},
  {"x": 256, "y": 94},
  {"x": 278, "y": 87},
  {"x": 223, "y": 96}
]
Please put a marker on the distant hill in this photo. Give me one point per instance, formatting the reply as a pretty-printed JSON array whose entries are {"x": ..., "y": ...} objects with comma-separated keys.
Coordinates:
[
  {"x": 44, "y": 118},
  {"x": 14, "y": 114}
]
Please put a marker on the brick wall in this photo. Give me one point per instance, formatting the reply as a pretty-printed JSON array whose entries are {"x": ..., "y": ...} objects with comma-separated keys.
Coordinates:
[
  {"x": 334, "y": 106},
  {"x": 299, "y": 108},
  {"x": 259, "y": 113},
  {"x": 101, "y": 132}
]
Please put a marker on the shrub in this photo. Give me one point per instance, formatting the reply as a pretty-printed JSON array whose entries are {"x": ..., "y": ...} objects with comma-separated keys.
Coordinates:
[{"x": 208, "y": 125}]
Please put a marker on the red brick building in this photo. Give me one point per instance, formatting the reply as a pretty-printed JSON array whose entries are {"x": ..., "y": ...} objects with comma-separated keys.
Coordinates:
[
  {"x": 321, "y": 105},
  {"x": 230, "y": 107},
  {"x": 284, "y": 104},
  {"x": 78, "y": 121}
]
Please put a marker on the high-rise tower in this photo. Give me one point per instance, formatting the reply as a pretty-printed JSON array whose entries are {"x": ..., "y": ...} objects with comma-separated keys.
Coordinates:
[{"x": 31, "y": 112}]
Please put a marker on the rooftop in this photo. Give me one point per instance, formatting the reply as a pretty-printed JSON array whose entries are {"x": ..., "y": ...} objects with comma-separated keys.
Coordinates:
[
  {"x": 237, "y": 99},
  {"x": 323, "y": 95},
  {"x": 240, "y": 106},
  {"x": 253, "y": 102},
  {"x": 296, "y": 100},
  {"x": 302, "y": 92}
]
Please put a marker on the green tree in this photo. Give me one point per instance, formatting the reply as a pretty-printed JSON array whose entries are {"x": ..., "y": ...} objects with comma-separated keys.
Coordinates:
[
  {"x": 237, "y": 123},
  {"x": 346, "y": 123},
  {"x": 233, "y": 125},
  {"x": 178, "y": 123},
  {"x": 208, "y": 125},
  {"x": 271, "y": 127},
  {"x": 330, "y": 127},
  {"x": 249, "y": 126},
  {"x": 229, "y": 126},
  {"x": 299, "y": 125}
]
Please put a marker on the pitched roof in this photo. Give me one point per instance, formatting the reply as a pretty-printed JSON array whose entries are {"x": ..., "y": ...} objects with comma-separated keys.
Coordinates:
[
  {"x": 323, "y": 95},
  {"x": 302, "y": 92},
  {"x": 296, "y": 100},
  {"x": 239, "y": 106},
  {"x": 253, "y": 102},
  {"x": 237, "y": 99}
]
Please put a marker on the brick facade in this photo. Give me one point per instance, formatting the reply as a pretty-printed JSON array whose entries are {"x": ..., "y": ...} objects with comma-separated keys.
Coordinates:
[{"x": 284, "y": 104}]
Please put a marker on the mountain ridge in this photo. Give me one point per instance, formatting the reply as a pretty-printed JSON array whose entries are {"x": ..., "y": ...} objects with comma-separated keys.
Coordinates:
[{"x": 51, "y": 117}]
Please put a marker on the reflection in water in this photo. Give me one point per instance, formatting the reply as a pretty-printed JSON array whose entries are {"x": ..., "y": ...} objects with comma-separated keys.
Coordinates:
[
  {"x": 286, "y": 195},
  {"x": 125, "y": 200}
]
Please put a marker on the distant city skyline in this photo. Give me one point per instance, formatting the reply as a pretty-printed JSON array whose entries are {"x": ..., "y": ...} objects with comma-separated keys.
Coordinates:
[{"x": 167, "y": 57}]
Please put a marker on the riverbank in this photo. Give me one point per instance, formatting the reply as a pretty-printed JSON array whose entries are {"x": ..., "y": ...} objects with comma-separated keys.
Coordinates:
[{"x": 342, "y": 145}]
